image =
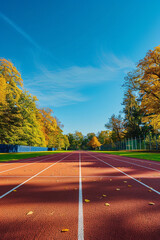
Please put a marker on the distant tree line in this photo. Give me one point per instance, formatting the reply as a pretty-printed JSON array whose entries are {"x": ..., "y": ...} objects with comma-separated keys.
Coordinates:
[
  {"x": 140, "y": 116},
  {"x": 21, "y": 121}
]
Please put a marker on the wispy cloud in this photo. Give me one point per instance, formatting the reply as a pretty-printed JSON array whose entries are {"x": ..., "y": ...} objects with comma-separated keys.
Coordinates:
[
  {"x": 64, "y": 86},
  {"x": 19, "y": 30},
  {"x": 26, "y": 36}
]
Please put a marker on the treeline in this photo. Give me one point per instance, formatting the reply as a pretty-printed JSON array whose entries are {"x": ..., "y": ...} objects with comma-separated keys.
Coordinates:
[
  {"x": 140, "y": 117},
  {"x": 21, "y": 121}
]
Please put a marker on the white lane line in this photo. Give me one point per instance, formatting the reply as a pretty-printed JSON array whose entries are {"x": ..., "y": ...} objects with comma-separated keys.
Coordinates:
[
  {"x": 5, "y": 194},
  {"x": 10, "y": 169},
  {"x": 136, "y": 159},
  {"x": 101, "y": 176},
  {"x": 154, "y": 190},
  {"x": 80, "y": 210},
  {"x": 153, "y": 169},
  {"x": 21, "y": 160}
]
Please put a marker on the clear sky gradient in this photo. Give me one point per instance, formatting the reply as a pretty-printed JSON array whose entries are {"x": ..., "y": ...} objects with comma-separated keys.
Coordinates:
[{"x": 73, "y": 55}]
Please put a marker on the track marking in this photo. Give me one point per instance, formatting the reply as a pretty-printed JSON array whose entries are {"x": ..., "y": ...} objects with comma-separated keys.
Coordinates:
[
  {"x": 153, "y": 169},
  {"x": 136, "y": 159},
  {"x": 80, "y": 210},
  {"x": 128, "y": 175},
  {"x": 5, "y": 194},
  {"x": 101, "y": 176},
  {"x": 7, "y": 170}
]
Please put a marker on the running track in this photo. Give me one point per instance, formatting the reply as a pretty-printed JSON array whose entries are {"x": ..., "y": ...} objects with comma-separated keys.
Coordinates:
[{"x": 55, "y": 187}]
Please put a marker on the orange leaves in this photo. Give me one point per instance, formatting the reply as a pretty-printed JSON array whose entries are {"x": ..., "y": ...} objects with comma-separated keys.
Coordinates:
[
  {"x": 94, "y": 143},
  {"x": 107, "y": 204},
  {"x": 65, "y": 230}
]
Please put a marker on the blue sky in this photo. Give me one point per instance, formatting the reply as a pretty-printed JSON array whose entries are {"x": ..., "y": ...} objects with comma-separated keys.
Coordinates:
[{"x": 73, "y": 55}]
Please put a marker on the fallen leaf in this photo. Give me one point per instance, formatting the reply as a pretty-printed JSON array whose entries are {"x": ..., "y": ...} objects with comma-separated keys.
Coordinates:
[
  {"x": 125, "y": 181},
  {"x": 107, "y": 204},
  {"x": 65, "y": 230},
  {"x": 117, "y": 189},
  {"x": 52, "y": 212},
  {"x": 151, "y": 203},
  {"x": 14, "y": 190},
  {"x": 29, "y": 213},
  {"x": 129, "y": 185},
  {"x": 104, "y": 195},
  {"x": 87, "y": 200},
  {"x": 149, "y": 190}
]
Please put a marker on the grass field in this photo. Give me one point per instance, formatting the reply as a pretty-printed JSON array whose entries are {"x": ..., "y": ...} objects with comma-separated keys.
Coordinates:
[
  {"x": 135, "y": 154},
  {"x": 4, "y": 157}
]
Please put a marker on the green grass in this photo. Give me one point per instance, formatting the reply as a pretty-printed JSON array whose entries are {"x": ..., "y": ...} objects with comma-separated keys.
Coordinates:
[
  {"x": 4, "y": 157},
  {"x": 155, "y": 156}
]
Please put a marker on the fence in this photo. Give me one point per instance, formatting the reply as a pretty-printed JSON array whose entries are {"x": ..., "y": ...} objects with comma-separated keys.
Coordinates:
[
  {"x": 150, "y": 143},
  {"x": 20, "y": 148}
]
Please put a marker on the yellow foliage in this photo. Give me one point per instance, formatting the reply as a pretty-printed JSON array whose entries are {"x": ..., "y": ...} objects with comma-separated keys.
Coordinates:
[
  {"x": 2, "y": 90},
  {"x": 94, "y": 143}
]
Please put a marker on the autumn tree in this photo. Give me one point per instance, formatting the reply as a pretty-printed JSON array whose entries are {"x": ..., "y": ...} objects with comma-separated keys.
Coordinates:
[
  {"x": 103, "y": 136},
  {"x": 56, "y": 139},
  {"x": 145, "y": 81},
  {"x": 21, "y": 122},
  {"x": 94, "y": 143},
  {"x": 116, "y": 125},
  {"x": 66, "y": 142},
  {"x": 10, "y": 116},
  {"x": 48, "y": 123}
]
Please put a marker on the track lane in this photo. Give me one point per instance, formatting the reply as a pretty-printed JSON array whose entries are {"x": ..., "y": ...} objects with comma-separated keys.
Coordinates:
[
  {"x": 144, "y": 175},
  {"x": 6, "y": 180},
  {"x": 131, "y": 159},
  {"x": 129, "y": 216},
  {"x": 19, "y": 164},
  {"x": 54, "y": 202},
  {"x": 53, "y": 197}
]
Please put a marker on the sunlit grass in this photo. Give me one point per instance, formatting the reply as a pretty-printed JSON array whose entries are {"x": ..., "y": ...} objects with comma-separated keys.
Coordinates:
[
  {"x": 4, "y": 157},
  {"x": 155, "y": 156}
]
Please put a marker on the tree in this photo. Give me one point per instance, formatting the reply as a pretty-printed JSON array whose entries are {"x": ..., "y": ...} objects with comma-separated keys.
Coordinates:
[
  {"x": 21, "y": 122},
  {"x": 134, "y": 127},
  {"x": 48, "y": 123},
  {"x": 116, "y": 125},
  {"x": 75, "y": 140},
  {"x": 94, "y": 143},
  {"x": 10, "y": 116},
  {"x": 56, "y": 139},
  {"x": 103, "y": 137},
  {"x": 145, "y": 81},
  {"x": 66, "y": 142},
  {"x": 90, "y": 136}
]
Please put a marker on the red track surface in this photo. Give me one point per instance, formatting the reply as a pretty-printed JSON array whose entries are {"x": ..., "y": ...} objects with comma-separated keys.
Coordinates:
[{"x": 51, "y": 191}]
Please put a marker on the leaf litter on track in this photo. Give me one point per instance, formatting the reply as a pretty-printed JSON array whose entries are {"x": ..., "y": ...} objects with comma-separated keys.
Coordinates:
[{"x": 29, "y": 213}]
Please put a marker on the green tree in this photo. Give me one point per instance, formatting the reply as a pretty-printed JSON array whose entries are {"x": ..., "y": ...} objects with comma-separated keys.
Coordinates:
[{"x": 116, "y": 125}]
